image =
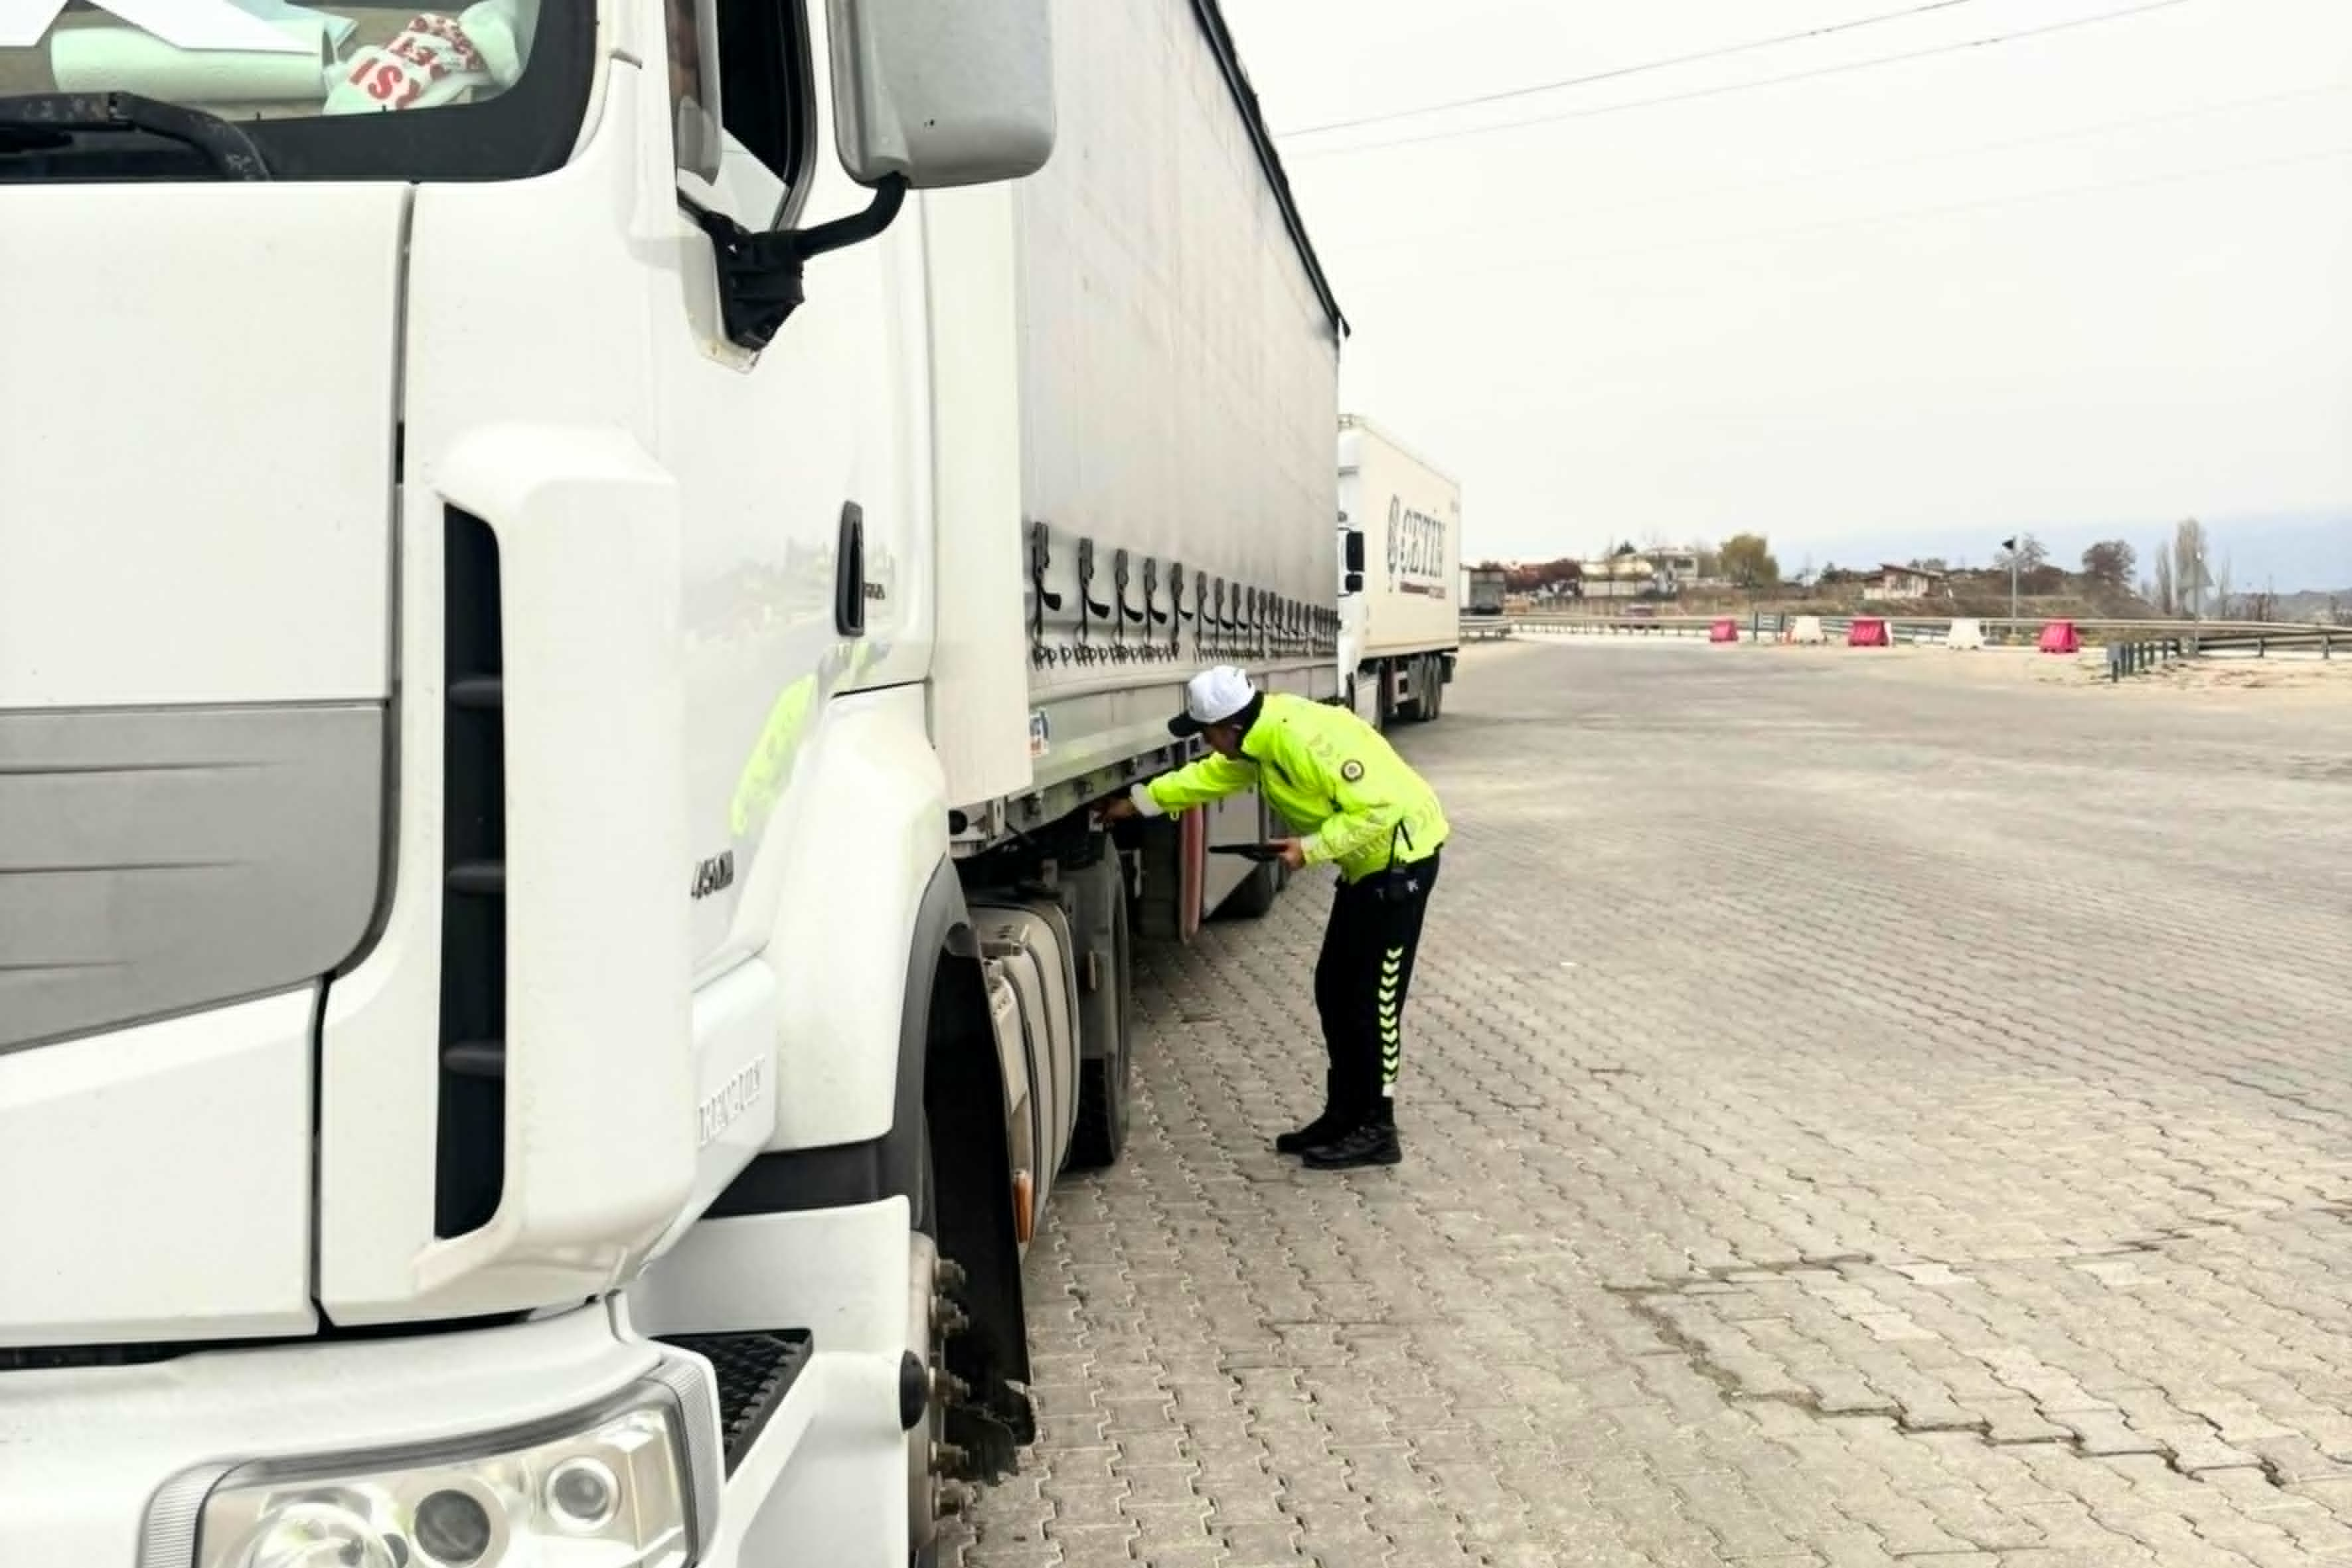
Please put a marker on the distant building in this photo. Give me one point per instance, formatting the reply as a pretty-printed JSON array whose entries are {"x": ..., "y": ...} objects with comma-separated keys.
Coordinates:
[
  {"x": 1894, "y": 582},
  {"x": 1619, "y": 578},
  {"x": 1647, "y": 573},
  {"x": 1678, "y": 568}
]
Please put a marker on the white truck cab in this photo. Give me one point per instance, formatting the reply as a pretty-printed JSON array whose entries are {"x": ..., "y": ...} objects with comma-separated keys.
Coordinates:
[{"x": 569, "y": 575}]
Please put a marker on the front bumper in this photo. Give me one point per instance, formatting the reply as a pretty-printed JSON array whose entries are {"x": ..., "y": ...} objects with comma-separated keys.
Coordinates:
[{"x": 84, "y": 1450}]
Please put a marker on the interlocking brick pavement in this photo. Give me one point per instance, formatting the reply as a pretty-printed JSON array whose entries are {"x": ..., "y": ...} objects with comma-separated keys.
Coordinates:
[{"x": 1850, "y": 1121}]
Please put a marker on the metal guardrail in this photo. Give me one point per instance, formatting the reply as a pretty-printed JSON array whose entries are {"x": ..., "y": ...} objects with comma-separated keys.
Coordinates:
[
  {"x": 2138, "y": 658},
  {"x": 2258, "y": 637}
]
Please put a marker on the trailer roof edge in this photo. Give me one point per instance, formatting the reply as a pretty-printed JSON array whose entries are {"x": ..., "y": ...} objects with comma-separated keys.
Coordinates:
[{"x": 1211, "y": 18}]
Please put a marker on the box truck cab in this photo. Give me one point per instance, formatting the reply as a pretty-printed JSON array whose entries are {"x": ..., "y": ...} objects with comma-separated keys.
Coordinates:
[
  {"x": 1483, "y": 591},
  {"x": 1400, "y": 605},
  {"x": 571, "y": 571}
]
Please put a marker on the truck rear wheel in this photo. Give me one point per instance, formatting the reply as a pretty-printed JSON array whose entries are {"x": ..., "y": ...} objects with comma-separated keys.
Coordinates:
[
  {"x": 1414, "y": 709},
  {"x": 1099, "y": 1136}
]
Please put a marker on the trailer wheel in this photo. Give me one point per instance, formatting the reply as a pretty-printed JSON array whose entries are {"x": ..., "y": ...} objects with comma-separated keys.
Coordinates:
[
  {"x": 1099, "y": 1136},
  {"x": 1433, "y": 699},
  {"x": 1253, "y": 900}
]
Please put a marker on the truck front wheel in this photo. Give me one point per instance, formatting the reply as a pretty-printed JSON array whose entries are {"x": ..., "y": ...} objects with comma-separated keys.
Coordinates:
[{"x": 926, "y": 1349}]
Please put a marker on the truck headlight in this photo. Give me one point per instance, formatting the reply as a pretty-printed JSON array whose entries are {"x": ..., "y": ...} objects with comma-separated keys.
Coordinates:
[{"x": 611, "y": 1487}]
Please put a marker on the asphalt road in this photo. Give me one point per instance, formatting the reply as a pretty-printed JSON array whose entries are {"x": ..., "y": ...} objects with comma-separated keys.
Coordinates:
[{"x": 1854, "y": 1114}]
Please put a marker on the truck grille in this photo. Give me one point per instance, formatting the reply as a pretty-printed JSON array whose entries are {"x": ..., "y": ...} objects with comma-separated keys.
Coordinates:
[{"x": 471, "y": 1164}]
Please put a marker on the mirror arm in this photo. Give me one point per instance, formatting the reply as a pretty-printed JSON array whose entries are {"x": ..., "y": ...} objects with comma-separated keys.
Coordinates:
[{"x": 760, "y": 274}]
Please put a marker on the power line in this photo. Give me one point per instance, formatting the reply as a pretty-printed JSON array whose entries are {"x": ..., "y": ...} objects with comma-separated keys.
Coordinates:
[
  {"x": 1585, "y": 216},
  {"x": 1866, "y": 220},
  {"x": 1612, "y": 75},
  {"x": 1819, "y": 71}
]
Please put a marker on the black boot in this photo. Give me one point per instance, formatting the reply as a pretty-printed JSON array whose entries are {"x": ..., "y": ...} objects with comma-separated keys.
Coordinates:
[
  {"x": 1327, "y": 1125},
  {"x": 1373, "y": 1144}
]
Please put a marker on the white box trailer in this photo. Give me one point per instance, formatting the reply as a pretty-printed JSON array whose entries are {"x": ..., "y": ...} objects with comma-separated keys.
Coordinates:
[
  {"x": 1400, "y": 605},
  {"x": 567, "y": 942}
]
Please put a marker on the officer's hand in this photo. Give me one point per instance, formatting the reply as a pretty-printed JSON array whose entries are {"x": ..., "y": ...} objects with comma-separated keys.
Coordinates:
[
  {"x": 1294, "y": 853},
  {"x": 1118, "y": 810}
]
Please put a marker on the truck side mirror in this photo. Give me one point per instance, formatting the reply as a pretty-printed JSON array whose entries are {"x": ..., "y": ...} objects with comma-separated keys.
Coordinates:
[
  {"x": 924, "y": 95},
  {"x": 1354, "y": 553},
  {"x": 1353, "y": 583},
  {"x": 938, "y": 95}
]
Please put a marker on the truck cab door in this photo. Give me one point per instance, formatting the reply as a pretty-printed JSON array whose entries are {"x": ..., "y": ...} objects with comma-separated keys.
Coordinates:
[{"x": 791, "y": 459}]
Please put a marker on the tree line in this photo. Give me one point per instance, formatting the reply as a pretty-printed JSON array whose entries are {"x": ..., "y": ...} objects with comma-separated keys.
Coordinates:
[{"x": 2183, "y": 579}]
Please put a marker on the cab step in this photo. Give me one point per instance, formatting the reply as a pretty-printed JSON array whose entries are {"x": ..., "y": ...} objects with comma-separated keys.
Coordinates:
[{"x": 755, "y": 1372}]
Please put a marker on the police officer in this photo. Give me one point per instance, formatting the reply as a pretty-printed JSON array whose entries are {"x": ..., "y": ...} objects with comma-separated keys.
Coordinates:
[{"x": 1356, "y": 805}]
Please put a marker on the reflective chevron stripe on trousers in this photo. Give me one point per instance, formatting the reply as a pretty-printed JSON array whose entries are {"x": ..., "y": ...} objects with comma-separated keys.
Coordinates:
[{"x": 1361, "y": 981}]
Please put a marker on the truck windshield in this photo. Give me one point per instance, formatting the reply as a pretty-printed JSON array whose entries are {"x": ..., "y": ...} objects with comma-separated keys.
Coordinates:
[{"x": 493, "y": 90}]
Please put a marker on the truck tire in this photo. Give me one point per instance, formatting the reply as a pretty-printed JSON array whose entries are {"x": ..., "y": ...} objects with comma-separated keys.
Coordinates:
[
  {"x": 1253, "y": 900},
  {"x": 1432, "y": 700},
  {"x": 1100, "y": 1135},
  {"x": 1415, "y": 709},
  {"x": 922, "y": 1483}
]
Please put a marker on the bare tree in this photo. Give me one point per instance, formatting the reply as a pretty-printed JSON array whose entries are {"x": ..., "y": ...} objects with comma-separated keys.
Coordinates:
[
  {"x": 2026, "y": 552},
  {"x": 2162, "y": 591},
  {"x": 2190, "y": 566}
]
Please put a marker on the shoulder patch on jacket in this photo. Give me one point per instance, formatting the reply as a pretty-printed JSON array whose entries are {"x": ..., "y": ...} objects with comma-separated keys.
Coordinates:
[{"x": 1351, "y": 770}]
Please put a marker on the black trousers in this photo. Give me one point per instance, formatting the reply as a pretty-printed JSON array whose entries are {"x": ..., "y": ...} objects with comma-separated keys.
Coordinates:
[{"x": 1360, "y": 980}]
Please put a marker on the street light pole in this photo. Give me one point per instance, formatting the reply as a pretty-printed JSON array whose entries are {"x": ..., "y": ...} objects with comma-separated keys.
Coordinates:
[{"x": 2011, "y": 545}]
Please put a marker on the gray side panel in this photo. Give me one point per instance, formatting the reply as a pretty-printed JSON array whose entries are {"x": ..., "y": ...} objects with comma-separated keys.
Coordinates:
[{"x": 152, "y": 860}]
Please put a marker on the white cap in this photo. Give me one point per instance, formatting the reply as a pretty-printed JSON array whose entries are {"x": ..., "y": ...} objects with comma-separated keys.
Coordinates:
[{"x": 1212, "y": 697}]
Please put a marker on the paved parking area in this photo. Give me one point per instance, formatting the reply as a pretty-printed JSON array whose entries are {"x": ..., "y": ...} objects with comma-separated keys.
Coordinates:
[{"x": 1853, "y": 1117}]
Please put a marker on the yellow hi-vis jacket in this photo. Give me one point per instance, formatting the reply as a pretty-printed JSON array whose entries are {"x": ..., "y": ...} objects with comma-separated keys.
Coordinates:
[{"x": 1340, "y": 786}]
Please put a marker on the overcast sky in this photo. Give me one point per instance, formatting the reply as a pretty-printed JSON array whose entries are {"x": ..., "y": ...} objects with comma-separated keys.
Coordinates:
[{"x": 2082, "y": 283}]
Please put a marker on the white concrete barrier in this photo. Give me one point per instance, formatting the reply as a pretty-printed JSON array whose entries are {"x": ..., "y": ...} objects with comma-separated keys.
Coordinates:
[
  {"x": 1966, "y": 634},
  {"x": 1807, "y": 630}
]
